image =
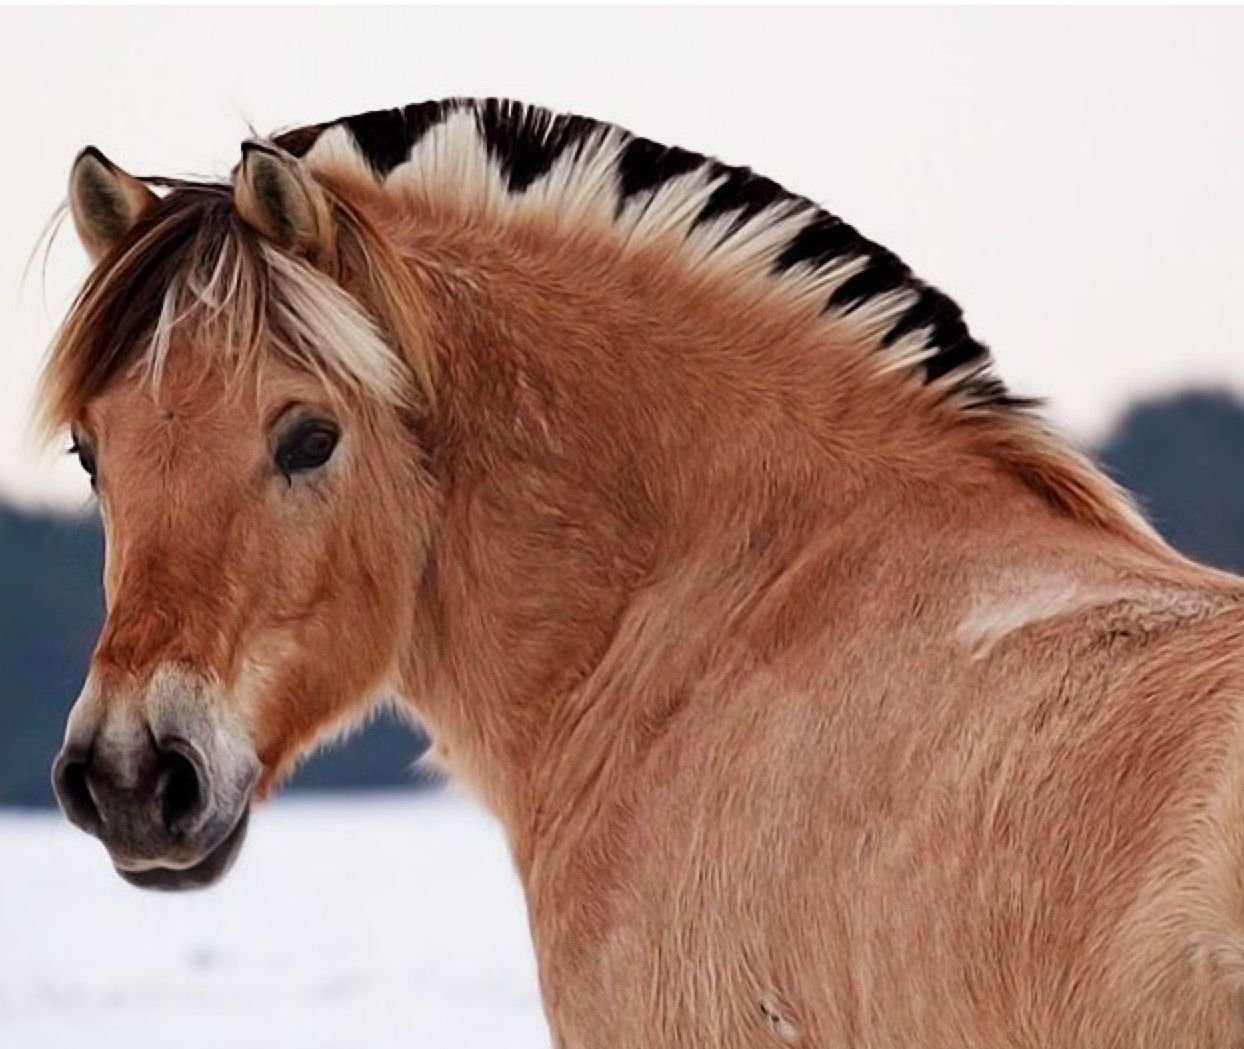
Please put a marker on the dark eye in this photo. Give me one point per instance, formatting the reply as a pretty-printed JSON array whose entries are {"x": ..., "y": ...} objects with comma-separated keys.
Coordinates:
[
  {"x": 307, "y": 445},
  {"x": 86, "y": 457}
]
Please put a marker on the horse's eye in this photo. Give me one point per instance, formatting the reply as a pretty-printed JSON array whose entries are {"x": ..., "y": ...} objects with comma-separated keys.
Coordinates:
[
  {"x": 306, "y": 446},
  {"x": 86, "y": 458}
]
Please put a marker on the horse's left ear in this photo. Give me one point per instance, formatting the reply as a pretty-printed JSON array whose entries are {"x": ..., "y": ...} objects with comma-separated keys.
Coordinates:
[
  {"x": 104, "y": 201},
  {"x": 278, "y": 198}
]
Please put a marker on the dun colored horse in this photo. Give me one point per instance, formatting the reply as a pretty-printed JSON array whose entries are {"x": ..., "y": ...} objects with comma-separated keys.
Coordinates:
[{"x": 826, "y": 697}]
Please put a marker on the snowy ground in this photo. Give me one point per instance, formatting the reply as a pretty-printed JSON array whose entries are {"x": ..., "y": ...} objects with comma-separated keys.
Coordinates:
[{"x": 346, "y": 924}]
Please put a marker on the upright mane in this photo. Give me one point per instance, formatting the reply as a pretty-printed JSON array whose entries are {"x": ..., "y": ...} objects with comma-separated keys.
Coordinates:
[
  {"x": 502, "y": 159},
  {"x": 493, "y": 153}
]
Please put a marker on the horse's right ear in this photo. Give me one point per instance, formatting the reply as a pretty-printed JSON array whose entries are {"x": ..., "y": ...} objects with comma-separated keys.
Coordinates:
[
  {"x": 279, "y": 199},
  {"x": 104, "y": 201}
]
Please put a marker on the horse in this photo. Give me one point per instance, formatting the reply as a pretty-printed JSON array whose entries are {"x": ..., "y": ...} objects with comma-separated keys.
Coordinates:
[{"x": 825, "y": 694}]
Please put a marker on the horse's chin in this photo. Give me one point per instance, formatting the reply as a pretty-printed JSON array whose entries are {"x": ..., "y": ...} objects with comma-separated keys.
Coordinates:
[{"x": 207, "y": 871}]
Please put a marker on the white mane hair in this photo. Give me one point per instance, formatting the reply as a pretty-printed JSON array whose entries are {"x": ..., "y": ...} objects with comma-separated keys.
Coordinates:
[{"x": 507, "y": 160}]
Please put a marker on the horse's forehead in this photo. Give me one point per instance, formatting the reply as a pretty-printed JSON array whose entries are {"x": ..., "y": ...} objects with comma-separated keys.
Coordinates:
[
  {"x": 191, "y": 394},
  {"x": 147, "y": 441}
]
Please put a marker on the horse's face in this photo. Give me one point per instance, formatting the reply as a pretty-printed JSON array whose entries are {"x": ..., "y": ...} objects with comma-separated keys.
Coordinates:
[{"x": 259, "y": 568}]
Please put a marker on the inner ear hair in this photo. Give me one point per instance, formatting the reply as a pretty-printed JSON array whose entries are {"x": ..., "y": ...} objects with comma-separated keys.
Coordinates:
[
  {"x": 105, "y": 202},
  {"x": 279, "y": 199}
]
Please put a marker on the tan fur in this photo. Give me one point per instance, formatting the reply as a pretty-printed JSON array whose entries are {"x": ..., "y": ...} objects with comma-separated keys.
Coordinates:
[{"x": 723, "y": 622}]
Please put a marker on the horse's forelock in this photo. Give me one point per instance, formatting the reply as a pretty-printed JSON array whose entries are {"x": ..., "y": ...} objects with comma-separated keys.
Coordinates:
[{"x": 191, "y": 270}]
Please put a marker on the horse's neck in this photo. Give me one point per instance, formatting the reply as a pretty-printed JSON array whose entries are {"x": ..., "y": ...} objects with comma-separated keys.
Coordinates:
[{"x": 626, "y": 466}]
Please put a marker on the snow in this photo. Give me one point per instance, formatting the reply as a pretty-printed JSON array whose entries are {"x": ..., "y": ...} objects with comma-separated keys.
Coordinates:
[{"x": 376, "y": 921}]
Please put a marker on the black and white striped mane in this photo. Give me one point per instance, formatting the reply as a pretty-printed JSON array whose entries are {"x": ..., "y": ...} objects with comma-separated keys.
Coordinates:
[
  {"x": 720, "y": 207},
  {"x": 525, "y": 143}
]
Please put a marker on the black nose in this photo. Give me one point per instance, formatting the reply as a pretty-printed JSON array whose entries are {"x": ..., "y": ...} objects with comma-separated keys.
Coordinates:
[
  {"x": 179, "y": 786},
  {"x": 165, "y": 782},
  {"x": 69, "y": 772}
]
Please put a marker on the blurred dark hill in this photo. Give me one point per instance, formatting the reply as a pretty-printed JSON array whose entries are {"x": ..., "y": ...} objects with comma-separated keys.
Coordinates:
[
  {"x": 49, "y": 613},
  {"x": 1183, "y": 455}
]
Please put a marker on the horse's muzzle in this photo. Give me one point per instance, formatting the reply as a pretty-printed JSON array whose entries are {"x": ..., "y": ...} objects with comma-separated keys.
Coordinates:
[
  {"x": 207, "y": 871},
  {"x": 168, "y": 800}
]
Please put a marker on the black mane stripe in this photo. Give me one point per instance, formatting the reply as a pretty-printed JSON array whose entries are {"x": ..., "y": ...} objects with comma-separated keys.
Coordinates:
[{"x": 525, "y": 142}]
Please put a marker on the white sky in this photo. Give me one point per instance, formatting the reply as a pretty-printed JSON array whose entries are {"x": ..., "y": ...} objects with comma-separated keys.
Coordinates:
[{"x": 1075, "y": 179}]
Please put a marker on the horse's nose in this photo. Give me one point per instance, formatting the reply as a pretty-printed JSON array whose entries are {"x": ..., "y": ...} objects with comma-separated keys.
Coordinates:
[
  {"x": 69, "y": 772},
  {"x": 137, "y": 801}
]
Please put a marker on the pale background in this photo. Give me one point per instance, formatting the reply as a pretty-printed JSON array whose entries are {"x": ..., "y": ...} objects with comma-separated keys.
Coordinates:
[{"x": 1073, "y": 178}]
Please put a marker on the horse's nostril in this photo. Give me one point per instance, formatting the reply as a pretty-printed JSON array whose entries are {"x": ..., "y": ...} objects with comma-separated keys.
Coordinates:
[
  {"x": 179, "y": 786},
  {"x": 69, "y": 780}
]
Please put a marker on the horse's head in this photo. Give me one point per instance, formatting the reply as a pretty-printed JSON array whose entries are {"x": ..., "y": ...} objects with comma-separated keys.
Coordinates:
[{"x": 237, "y": 388}]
